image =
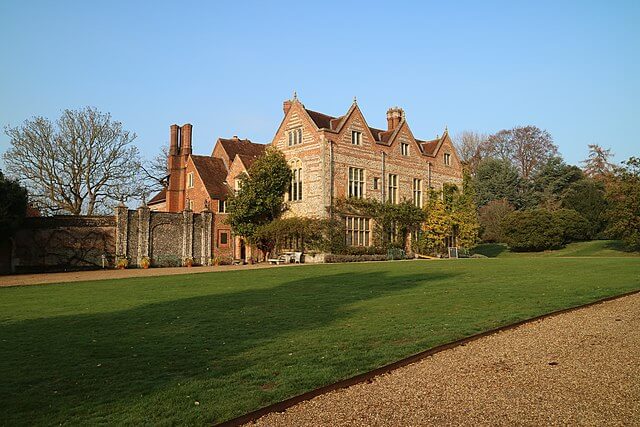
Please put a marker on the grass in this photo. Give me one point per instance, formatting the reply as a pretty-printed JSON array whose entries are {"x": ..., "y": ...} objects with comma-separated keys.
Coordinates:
[
  {"x": 144, "y": 350},
  {"x": 594, "y": 248}
]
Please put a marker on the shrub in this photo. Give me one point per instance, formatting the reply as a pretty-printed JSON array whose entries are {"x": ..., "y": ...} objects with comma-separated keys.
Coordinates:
[
  {"x": 574, "y": 226},
  {"x": 531, "y": 231},
  {"x": 332, "y": 258},
  {"x": 491, "y": 217}
]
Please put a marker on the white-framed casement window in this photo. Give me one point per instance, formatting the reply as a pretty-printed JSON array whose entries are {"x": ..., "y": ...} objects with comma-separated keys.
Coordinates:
[
  {"x": 358, "y": 231},
  {"x": 356, "y": 183},
  {"x": 393, "y": 189},
  {"x": 190, "y": 180},
  {"x": 417, "y": 192},
  {"x": 222, "y": 206},
  {"x": 447, "y": 159},
  {"x": 404, "y": 149},
  {"x": 356, "y": 137},
  {"x": 295, "y": 136},
  {"x": 295, "y": 187},
  {"x": 190, "y": 204}
]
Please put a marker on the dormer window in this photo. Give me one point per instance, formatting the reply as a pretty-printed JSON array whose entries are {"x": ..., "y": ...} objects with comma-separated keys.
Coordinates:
[
  {"x": 404, "y": 149},
  {"x": 447, "y": 159},
  {"x": 356, "y": 137},
  {"x": 295, "y": 136}
]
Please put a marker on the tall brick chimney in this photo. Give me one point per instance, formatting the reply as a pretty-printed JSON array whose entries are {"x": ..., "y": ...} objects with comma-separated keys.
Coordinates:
[
  {"x": 173, "y": 140},
  {"x": 185, "y": 139},
  {"x": 394, "y": 117}
]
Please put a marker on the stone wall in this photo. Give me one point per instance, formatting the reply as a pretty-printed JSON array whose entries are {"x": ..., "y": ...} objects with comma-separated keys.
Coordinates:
[
  {"x": 167, "y": 239},
  {"x": 66, "y": 243},
  {"x": 62, "y": 243}
]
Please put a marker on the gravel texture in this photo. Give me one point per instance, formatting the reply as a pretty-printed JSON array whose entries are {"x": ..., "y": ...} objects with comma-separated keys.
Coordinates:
[
  {"x": 82, "y": 276},
  {"x": 577, "y": 368}
]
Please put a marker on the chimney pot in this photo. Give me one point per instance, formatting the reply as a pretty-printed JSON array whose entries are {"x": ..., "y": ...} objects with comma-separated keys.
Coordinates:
[{"x": 394, "y": 116}]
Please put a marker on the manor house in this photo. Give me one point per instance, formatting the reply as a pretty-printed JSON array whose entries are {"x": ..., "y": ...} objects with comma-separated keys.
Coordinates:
[{"x": 331, "y": 157}]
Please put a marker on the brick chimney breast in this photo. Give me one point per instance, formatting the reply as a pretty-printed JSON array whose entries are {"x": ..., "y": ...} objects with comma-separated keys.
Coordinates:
[{"x": 394, "y": 116}]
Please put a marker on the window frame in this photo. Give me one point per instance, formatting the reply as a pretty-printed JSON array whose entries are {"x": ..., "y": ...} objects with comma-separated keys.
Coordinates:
[
  {"x": 190, "y": 180},
  {"x": 227, "y": 233},
  {"x": 356, "y": 137},
  {"x": 222, "y": 206},
  {"x": 296, "y": 183},
  {"x": 404, "y": 149},
  {"x": 392, "y": 187},
  {"x": 418, "y": 199},
  {"x": 447, "y": 159},
  {"x": 357, "y": 231},
  {"x": 356, "y": 183}
]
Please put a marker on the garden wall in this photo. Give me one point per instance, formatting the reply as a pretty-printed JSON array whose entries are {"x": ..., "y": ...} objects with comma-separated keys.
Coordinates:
[{"x": 65, "y": 243}]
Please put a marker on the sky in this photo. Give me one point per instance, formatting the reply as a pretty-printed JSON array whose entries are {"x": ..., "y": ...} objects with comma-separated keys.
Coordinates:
[{"x": 572, "y": 68}]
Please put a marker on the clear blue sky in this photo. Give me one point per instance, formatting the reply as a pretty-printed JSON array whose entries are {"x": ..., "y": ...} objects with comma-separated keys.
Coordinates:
[{"x": 572, "y": 68}]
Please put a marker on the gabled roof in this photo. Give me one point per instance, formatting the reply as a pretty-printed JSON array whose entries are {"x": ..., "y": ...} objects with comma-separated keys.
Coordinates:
[
  {"x": 431, "y": 147},
  {"x": 158, "y": 198},
  {"x": 321, "y": 120},
  {"x": 213, "y": 173},
  {"x": 247, "y": 160},
  {"x": 235, "y": 146}
]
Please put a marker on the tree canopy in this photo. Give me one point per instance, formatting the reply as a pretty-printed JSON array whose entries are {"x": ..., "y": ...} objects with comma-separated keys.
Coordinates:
[
  {"x": 13, "y": 205},
  {"x": 80, "y": 164},
  {"x": 260, "y": 198}
]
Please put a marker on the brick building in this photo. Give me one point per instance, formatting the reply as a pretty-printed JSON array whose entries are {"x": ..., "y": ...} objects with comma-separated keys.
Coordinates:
[
  {"x": 340, "y": 157},
  {"x": 331, "y": 158},
  {"x": 202, "y": 183}
]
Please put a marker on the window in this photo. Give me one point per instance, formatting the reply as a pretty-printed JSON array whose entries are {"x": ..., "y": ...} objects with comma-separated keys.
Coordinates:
[
  {"x": 356, "y": 183},
  {"x": 295, "y": 187},
  {"x": 223, "y": 238},
  {"x": 222, "y": 206},
  {"x": 357, "y": 231},
  {"x": 295, "y": 136},
  {"x": 376, "y": 183},
  {"x": 393, "y": 189},
  {"x": 190, "y": 204},
  {"x": 404, "y": 149},
  {"x": 447, "y": 159},
  {"x": 356, "y": 137},
  {"x": 190, "y": 180},
  {"x": 417, "y": 192}
]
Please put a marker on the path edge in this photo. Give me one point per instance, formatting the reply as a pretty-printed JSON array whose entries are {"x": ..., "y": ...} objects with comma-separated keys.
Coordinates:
[{"x": 370, "y": 375}]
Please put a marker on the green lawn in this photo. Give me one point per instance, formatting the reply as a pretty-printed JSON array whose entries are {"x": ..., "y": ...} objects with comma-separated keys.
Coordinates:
[
  {"x": 146, "y": 349},
  {"x": 594, "y": 248}
]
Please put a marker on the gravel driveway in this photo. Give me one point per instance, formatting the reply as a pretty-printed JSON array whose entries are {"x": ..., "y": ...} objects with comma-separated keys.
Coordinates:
[{"x": 577, "y": 368}]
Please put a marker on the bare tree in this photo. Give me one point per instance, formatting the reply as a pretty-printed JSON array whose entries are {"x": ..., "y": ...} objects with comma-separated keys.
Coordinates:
[
  {"x": 81, "y": 164},
  {"x": 156, "y": 172},
  {"x": 526, "y": 147},
  {"x": 597, "y": 165},
  {"x": 469, "y": 145}
]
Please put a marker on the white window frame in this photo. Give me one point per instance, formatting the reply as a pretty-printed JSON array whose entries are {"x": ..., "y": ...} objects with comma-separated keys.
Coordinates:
[
  {"x": 356, "y": 182},
  {"x": 447, "y": 159},
  {"x": 295, "y": 186},
  {"x": 222, "y": 206},
  {"x": 392, "y": 187},
  {"x": 358, "y": 231},
  {"x": 190, "y": 180},
  {"x": 404, "y": 148},
  {"x": 356, "y": 137},
  {"x": 417, "y": 192}
]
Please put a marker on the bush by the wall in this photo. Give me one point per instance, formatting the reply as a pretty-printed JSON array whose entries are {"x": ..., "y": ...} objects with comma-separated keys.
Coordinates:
[{"x": 332, "y": 258}]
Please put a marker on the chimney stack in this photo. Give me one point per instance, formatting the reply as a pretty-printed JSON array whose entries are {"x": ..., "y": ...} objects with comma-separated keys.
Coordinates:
[
  {"x": 173, "y": 140},
  {"x": 185, "y": 139},
  {"x": 286, "y": 106},
  {"x": 394, "y": 117}
]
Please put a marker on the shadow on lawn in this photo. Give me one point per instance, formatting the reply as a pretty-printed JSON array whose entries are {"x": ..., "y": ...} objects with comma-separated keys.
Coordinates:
[{"x": 50, "y": 366}]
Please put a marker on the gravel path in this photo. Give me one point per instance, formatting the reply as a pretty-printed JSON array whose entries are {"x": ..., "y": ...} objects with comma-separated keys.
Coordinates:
[
  {"x": 82, "y": 276},
  {"x": 577, "y": 368}
]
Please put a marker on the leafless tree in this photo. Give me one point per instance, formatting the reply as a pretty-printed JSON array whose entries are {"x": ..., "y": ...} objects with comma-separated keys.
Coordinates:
[
  {"x": 526, "y": 147},
  {"x": 597, "y": 165},
  {"x": 469, "y": 145},
  {"x": 81, "y": 164},
  {"x": 156, "y": 171}
]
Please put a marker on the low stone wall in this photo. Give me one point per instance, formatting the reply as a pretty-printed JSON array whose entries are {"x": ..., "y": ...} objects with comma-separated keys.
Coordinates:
[{"x": 66, "y": 243}]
